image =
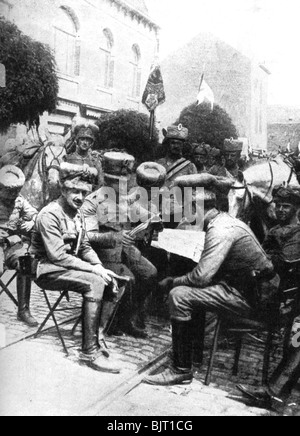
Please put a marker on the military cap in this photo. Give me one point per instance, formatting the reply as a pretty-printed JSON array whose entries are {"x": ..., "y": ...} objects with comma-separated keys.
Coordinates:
[
  {"x": 231, "y": 145},
  {"x": 215, "y": 152},
  {"x": 11, "y": 178},
  {"x": 176, "y": 132},
  {"x": 86, "y": 131},
  {"x": 290, "y": 194},
  {"x": 151, "y": 175},
  {"x": 200, "y": 148},
  {"x": 77, "y": 176},
  {"x": 118, "y": 163}
]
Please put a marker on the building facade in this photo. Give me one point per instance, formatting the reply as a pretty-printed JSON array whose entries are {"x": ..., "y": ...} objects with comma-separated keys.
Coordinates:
[
  {"x": 104, "y": 50},
  {"x": 240, "y": 86}
]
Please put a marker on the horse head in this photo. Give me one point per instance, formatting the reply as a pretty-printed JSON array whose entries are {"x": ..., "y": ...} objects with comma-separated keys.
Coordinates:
[{"x": 53, "y": 154}]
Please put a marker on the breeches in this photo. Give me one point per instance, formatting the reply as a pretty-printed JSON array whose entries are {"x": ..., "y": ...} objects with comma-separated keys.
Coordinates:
[
  {"x": 185, "y": 301},
  {"x": 12, "y": 255},
  {"x": 89, "y": 285}
]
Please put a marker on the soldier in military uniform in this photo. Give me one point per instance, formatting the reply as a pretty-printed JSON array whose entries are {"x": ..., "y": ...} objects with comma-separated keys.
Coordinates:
[
  {"x": 109, "y": 222},
  {"x": 200, "y": 157},
  {"x": 283, "y": 245},
  {"x": 17, "y": 218},
  {"x": 223, "y": 282},
  {"x": 175, "y": 164},
  {"x": 85, "y": 139},
  {"x": 67, "y": 261},
  {"x": 232, "y": 150}
]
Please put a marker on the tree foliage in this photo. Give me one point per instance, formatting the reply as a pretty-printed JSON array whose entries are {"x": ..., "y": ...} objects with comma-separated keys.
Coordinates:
[
  {"x": 208, "y": 126},
  {"x": 129, "y": 130},
  {"x": 31, "y": 80}
]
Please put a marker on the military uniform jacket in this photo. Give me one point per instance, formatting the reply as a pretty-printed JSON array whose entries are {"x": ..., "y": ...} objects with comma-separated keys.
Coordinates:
[
  {"x": 58, "y": 232},
  {"x": 231, "y": 254},
  {"x": 109, "y": 217},
  {"x": 12, "y": 217}
]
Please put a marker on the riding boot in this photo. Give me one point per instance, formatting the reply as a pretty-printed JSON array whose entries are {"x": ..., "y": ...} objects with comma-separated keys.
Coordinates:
[
  {"x": 198, "y": 334},
  {"x": 24, "y": 292},
  {"x": 180, "y": 371},
  {"x": 92, "y": 354},
  {"x": 128, "y": 318}
]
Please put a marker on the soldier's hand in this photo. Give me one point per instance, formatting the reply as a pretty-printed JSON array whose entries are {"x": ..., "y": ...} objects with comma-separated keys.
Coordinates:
[
  {"x": 105, "y": 274},
  {"x": 27, "y": 226},
  {"x": 166, "y": 285},
  {"x": 127, "y": 240}
]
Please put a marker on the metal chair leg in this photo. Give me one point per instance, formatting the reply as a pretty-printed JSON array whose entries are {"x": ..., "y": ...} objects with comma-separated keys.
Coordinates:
[
  {"x": 238, "y": 351},
  {"x": 52, "y": 310},
  {"x": 213, "y": 353}
]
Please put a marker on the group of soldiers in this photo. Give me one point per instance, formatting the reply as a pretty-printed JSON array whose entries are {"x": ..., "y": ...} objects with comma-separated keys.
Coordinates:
[{"x": 79, "y": 246}]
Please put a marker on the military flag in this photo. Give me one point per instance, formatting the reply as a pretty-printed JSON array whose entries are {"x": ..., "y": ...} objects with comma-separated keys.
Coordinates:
[
  {"x": 154, "y": 94},
  {"x": 205, "y": 93}
]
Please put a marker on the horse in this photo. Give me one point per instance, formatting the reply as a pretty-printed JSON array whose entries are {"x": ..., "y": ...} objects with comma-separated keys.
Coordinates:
[
  {"x": 251, "y": 197},
  {"x": 42, "y": 173}
]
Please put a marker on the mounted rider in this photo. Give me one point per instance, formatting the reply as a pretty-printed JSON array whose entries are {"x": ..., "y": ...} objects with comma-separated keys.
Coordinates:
[
  {"x": 86, "y": 136},
  {"x": 17, "y": 219},
  {"x": 232, "y": 150}
]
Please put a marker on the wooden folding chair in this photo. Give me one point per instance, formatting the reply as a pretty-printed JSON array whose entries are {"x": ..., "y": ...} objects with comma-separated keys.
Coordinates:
[
  {"x": 5, "y": 287},
  {"x": 54, "y": 309}
]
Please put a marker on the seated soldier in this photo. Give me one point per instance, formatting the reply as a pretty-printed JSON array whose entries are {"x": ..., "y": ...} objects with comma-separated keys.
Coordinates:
[
  {"x": 283, "y": 245},
  {"x": 233, "y": 265},
  {"x": 67, "y": 261},
  {"x": 17, "y": 218},
  {"x": 111, "y": 239},
  {"x": 283, "y": 241}
]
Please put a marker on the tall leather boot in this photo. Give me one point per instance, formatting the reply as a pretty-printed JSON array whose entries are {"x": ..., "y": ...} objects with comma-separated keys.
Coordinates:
[
  {"x": 92, "y": 354},
  {"x": 24, "y": 292},
  {"x": 180, "y": 372},
  {"x": 128, "y": 315}
]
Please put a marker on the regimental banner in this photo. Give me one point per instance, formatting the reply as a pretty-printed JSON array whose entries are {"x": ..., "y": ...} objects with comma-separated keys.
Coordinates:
[
  {"x": 154, "y": 94},
  {"x": 2, "y": 76}
]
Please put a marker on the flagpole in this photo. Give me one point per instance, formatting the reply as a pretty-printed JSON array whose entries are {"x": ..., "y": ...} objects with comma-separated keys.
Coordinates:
[
  {"x": 201, "y": 81},
  {"x": 152, "y": 122}
]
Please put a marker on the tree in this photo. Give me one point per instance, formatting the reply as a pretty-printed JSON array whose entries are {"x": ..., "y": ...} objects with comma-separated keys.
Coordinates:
[
  {"x": 31, "y": 80},
  {"x": 208, "y": 126},
  {"x": 129, "y": 130}
]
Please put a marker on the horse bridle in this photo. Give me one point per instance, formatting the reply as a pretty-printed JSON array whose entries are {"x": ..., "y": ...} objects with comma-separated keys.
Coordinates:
[{"x": 44, "y": 169}]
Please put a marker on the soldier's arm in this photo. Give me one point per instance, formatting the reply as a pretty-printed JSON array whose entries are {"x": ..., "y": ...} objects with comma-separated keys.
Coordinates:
[
  {"x": 28, "y": 213},
  {"x": 49, "y": 227},
  {"x": 216, "y": 249},
  {"x": 87, "y": 253}
]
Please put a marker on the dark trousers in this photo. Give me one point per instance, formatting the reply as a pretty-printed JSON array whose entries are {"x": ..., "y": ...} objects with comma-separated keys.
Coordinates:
[
  {"x": 287, "y": 375},
  {"x": 89, "y": 285}
]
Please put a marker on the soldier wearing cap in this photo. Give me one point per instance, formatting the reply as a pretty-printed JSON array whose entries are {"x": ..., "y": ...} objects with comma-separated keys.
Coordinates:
[
  {"x": 17, "y": 218},
  {"x": 175, "y": 164},
  {"x": 86, "y": 135},
  {"x": 222, "y": 282},
  {"x": 109, "y": 214},
  {"x": 283, "y": 246},
  {"x": 67, "y": 261},
  {"x": 200, "y": 157},
  {"x": 232, "y": 150}
]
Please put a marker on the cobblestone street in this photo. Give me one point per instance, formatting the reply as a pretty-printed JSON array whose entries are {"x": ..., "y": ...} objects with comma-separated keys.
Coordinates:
[{"x": 37, "y": 379}]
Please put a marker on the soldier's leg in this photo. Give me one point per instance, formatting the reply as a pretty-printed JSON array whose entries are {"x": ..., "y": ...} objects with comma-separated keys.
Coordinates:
[
  {"x": 145, "y": 275},
  {"x": 184, "y": 302},
  {"x": 92, "y": 288},
  {"x": 23, "y": 285}
]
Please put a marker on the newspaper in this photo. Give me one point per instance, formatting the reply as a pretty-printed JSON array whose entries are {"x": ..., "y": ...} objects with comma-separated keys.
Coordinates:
[{"x": 185, "y": 243}]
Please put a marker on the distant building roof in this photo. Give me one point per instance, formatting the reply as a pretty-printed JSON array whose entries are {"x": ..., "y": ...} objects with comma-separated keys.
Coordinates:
[{"x": 137, "y": 8}]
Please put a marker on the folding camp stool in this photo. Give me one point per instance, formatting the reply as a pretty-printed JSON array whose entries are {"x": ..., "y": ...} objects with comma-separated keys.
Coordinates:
[
  {"x": 5, "y": 287},
  {"x": 54, "y": 309}
]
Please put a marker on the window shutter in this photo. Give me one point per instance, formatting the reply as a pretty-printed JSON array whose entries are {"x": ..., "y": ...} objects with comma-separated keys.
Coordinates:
[
  {"x": 77, "y": 58},
  {"x": 111, "y": 73},
  {"x": 138, "y": 83}
]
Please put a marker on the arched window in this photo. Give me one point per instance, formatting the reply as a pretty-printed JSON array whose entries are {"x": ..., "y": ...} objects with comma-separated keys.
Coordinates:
[
  {"x": 135, "y": 66},
  {"x": 107, "y": 59},
  {"x": 67, "y": 48}
]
